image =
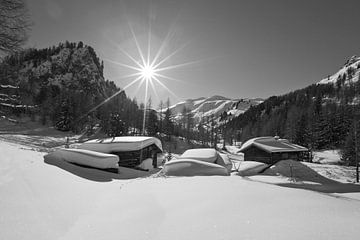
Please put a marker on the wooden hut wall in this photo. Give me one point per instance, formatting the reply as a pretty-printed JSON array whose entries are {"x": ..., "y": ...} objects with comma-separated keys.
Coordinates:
[
  {"x": 134, "y": 158},
  {"x": 285, "y": 155},
  {"x": 256, "y": 154}
]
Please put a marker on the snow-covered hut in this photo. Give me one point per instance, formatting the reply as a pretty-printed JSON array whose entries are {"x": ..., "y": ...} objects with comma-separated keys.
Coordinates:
[
  {"x": 199, "y": 162},
  {"x": 132, "y": 150},
  {"x": 272, "y": 149}
]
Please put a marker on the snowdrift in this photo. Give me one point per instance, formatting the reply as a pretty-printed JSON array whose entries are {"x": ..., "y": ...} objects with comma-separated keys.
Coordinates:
[
  {"x": 85, "y": 157},
  {"x": 192, "y": 167},
  {"x": 298, "y": 171},
  {"x": 250, "y": 168},
  {"x": 120, "y": 144}
]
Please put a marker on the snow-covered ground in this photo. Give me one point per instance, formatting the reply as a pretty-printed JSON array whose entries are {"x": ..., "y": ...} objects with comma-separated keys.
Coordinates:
[
  {"x": 326, "y": 156},
  {"x": 41, "y": 200}
]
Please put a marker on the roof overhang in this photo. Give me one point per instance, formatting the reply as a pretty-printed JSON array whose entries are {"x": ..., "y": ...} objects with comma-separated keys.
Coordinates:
[
  {"x": 121, "y": 144},
  {"x": 272, "y": 145}
]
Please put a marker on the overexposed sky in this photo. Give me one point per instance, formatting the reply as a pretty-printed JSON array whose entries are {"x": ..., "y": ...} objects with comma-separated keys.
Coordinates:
[{"x": 235, "y": 48}]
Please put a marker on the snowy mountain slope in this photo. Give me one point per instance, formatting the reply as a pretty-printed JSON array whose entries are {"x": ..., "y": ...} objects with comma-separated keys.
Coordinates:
[
  {"x": 351, "y": 71},
  {"x": 213, "y": 107}
]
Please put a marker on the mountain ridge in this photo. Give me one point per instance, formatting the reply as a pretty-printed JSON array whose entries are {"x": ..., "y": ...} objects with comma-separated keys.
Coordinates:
[{"x": 212, "y": 107}]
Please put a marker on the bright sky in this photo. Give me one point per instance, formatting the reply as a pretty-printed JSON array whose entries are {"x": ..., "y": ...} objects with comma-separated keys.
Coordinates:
[{"x": 237, "y": 48}]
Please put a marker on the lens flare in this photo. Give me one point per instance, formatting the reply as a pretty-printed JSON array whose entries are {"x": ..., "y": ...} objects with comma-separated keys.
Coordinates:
[{"x": 150, "y": 67}]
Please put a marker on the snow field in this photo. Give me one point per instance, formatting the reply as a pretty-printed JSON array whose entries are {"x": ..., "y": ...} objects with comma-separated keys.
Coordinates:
[{"x": 42, "y": 201}]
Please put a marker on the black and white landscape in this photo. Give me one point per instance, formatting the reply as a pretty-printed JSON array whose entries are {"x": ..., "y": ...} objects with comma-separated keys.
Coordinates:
[{"x": 179, "y": 119}]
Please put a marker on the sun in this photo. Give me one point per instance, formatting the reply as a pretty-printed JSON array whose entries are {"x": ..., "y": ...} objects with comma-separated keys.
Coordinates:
[
  {"x": 147, "y": 72},
  {"x": 148, "y": 67}
]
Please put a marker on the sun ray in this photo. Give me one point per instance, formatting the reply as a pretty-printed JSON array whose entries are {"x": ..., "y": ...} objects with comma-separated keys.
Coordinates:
[
  {"x": 137, "y": 44},
  {"x": 167, "y": 77},
  {"x": 164, "y": 86},
  {"x": 171, "y": 55},
  {"x": 162, "y": 46},
  {"x": 170, "y": 33},
  {"x": 145, "y": 106},
  {"x": 125, "y": 76},
  {"x": 123, "y": 65},
  {"x": 124, "y": 52},
  {"x": 154, "y": 90},
  {"x": 109, "y": 98},
  {"x": 149, "y": 41},
  {"x": 177, "y": 65},
  {"x": 139, "y": 85}
]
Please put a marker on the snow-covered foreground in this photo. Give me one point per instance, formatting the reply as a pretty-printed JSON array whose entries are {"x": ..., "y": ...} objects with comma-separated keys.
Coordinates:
[{"x": 54, "y": 201}]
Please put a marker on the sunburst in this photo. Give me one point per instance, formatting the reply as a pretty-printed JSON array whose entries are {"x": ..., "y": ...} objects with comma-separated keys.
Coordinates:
[{"x": 150, "y": 69}]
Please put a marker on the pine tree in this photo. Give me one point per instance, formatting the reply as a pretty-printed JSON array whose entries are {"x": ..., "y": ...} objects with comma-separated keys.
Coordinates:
[
  {"x": 168, "y": 125},
  {"x": 301, "y": 131},
  {"x": 152, "y": 125},
  {"x": 161, "y": 106},
  {"x": 65, "y": 117},
  {"x": 189, "y": 125},
  {"x": 115, "y": 126},
  {"x": 348, "y": 151}
]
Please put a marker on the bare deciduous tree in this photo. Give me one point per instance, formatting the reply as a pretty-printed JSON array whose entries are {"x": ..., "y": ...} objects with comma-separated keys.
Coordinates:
[{"x": 14, "y": 25}]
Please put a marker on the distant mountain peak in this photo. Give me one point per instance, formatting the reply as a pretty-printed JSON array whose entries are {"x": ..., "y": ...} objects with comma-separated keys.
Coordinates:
[
  {"x": 213, "y": 107},
  {"x": 217, "y": 98}
]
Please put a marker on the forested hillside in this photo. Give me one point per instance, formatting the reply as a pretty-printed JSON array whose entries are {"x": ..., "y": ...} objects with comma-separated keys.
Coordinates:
[
  {"x": 321, "y": 116},
  {"x": 59, "y": 85}
]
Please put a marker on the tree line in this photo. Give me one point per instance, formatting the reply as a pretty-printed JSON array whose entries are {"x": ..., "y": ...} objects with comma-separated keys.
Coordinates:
[{"x": 320, "y": 116}]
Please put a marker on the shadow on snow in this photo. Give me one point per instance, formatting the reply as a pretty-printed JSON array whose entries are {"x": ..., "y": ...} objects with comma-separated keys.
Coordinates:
[{"x": 97, "y": 175}]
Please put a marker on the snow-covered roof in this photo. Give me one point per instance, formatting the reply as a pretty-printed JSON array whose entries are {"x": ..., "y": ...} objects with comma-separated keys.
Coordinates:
[
  {"x": 272, "y": 144},
  {"x": 121, "y": 144},
  {"x": 201, "y": 154},
  {"x": 85, "y": 157}
]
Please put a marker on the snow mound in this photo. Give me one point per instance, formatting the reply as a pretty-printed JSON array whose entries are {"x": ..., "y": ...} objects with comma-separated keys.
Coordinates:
[
  {"x": 250, "y": 168},
  {"x": 202, "y": 154},
  {"x": 344, "y": 174},
  {"x": 191, "y": 167},
  {"x": 85, "y": 157},
  {"x": 327, "y": 157},
  {"x": 297, "y": 171}
]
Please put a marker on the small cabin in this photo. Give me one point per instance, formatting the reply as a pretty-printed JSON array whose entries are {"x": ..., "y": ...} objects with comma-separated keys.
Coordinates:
[
  {"x": 273, "y": 149},
  {"x": 132, "y": 150}
]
